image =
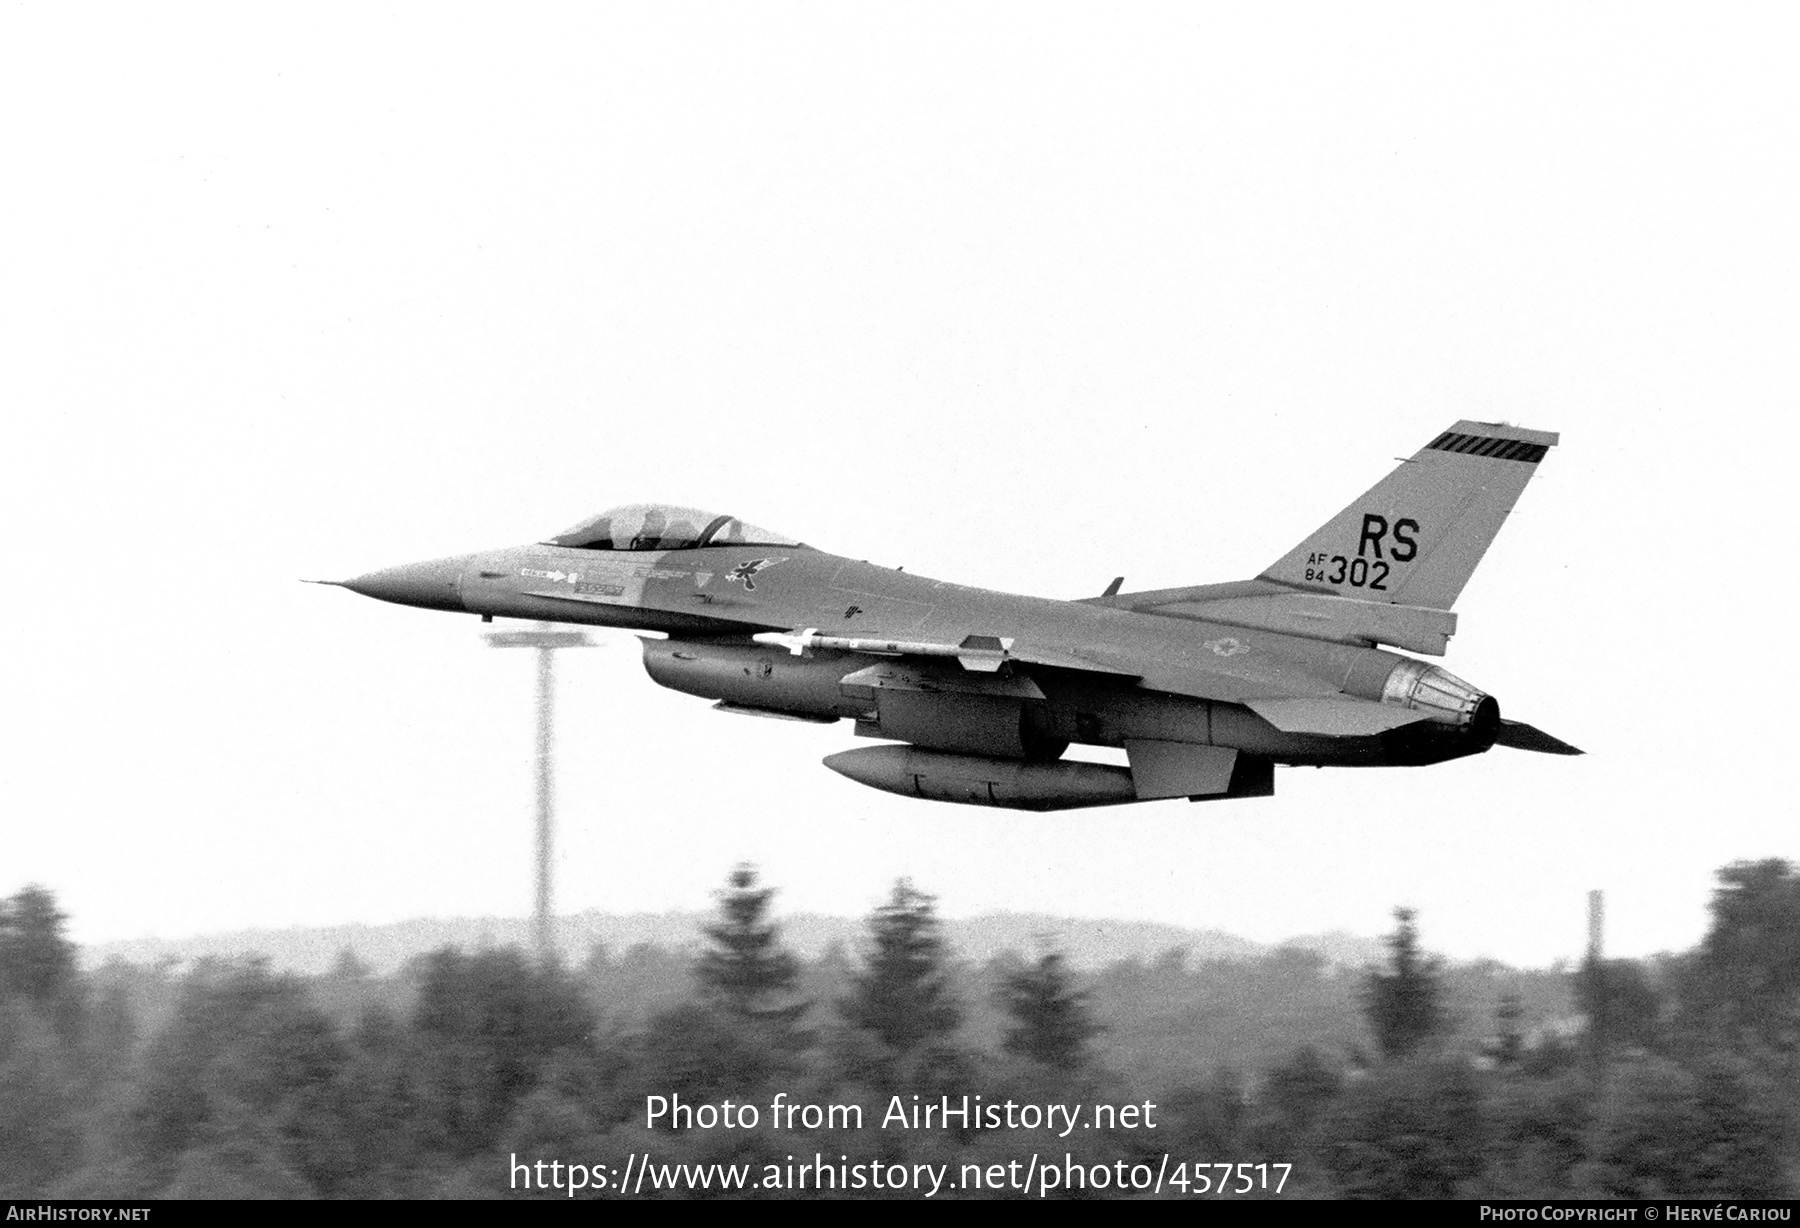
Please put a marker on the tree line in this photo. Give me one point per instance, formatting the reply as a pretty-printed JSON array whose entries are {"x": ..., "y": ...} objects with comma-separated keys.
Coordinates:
[{"x": 1671, "y": 1077}]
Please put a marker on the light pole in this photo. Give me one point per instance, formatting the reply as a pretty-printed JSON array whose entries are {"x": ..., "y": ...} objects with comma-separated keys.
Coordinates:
[
  {"x": 546, "y": 639},
  {"x": 1596, "y": 974}
]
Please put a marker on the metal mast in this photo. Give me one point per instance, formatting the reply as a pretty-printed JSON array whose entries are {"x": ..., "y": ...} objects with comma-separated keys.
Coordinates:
[{"x": 546, "y": 639}]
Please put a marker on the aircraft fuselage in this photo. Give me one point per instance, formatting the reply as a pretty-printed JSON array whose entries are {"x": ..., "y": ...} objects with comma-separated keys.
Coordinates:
[
  {"x": 1206, "y": 688},
  {"x": 709, "y": 602}
]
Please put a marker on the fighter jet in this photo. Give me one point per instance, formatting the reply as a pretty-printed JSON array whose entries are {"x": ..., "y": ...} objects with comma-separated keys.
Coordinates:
[{"x": 977, "y": 694}]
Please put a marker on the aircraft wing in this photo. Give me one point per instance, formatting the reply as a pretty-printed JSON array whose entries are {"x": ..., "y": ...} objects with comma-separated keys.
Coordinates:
[
  {"x": 1030, "y": 654},
  {"x": 985, "y": 654},
  {"x": 1235, "y": 680},
  {"x": 1268, "y": 606},
  {"x": 1301, "y": 701}
]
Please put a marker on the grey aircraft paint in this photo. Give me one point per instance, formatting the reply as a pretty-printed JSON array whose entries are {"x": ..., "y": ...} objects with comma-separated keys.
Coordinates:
[{"x": 1205, "y": 688}]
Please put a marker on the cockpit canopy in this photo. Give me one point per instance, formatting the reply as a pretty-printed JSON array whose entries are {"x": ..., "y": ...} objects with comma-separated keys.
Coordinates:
[{"x": 663, "y": 526}]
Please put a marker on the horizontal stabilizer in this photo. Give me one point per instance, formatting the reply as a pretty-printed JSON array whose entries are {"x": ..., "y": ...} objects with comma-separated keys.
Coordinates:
[
  {"x": 1335, "y": 716},
  {"x": 1319, "y": 616},
  {"x": 1520, "y": 736}
]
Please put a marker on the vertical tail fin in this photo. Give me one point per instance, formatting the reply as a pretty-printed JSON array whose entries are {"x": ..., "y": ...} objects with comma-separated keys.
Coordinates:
[{"x": 1416, "y": 537}]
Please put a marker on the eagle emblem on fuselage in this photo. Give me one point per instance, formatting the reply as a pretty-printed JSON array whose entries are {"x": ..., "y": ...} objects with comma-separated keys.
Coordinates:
[{"x": 747, "y": 572}]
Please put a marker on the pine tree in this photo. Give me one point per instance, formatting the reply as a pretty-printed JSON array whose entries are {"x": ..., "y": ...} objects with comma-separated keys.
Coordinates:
[
  {"x": 903, "y": 992},
  {"x": 492, "y": 1023},
  {"x": 36, "y": 960},
  {"x": 1743, "y": 984},
  {"x": 1404, "y": 1003},
  {"x": 746, "y": 972},
  {"x": 1051, "y": 1023},
  {"x": 1414, "y": 1130},
  {"x": 1622, "y": 1007},
  {"x": 350, "y": 967}
]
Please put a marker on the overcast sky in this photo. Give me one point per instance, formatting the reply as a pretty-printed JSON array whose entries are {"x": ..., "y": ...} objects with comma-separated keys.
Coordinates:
[{"x": 1022, "y": 296}]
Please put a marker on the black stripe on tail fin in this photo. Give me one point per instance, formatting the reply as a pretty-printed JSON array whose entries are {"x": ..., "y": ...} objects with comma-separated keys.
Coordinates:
[{"x": 1497, "y": 447}]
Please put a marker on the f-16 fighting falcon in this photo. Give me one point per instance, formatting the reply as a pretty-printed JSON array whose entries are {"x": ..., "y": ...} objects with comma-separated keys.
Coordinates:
[{"x": 977, "y": 694}]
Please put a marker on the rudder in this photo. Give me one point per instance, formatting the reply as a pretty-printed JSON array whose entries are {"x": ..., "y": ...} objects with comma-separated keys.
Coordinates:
[{"x": 1416, "y": 537}]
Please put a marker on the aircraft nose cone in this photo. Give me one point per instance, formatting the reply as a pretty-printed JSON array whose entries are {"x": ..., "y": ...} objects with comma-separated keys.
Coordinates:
[{"x": 431, "y": 585}]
